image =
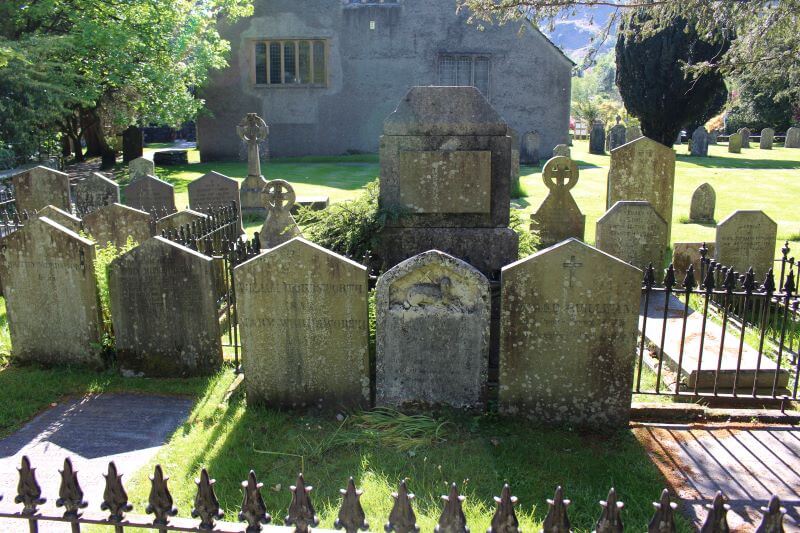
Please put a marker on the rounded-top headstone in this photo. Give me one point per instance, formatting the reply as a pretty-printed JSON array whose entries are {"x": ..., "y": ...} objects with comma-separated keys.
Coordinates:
[
  {"x": 767, "y": 139},
  {"x": 792, "y": 138},
  {"x": 745, "y": 133},
  {"x": 735, "y": 143},
  {"x": 634, "y": 232},
  {"x": 699, "y": 143},
  {"x": 141, "y": 167},
  {"x": 704, "y": 203}
]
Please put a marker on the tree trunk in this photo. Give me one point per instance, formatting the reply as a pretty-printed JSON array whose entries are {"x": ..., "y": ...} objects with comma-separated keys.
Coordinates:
[
  {"x": 66, "y": 147},
  {"x": 93, "y": 133},
  {"x": 132, "y": 144},
  {"x": 77, "y": 149}
]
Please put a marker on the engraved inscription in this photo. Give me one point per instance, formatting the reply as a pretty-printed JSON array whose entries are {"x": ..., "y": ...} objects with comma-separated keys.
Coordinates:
[{"x": 446, "y": 182}]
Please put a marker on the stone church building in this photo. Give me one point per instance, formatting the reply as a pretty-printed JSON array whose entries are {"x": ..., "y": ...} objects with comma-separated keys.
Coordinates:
[{"x": 324, "y": 74}]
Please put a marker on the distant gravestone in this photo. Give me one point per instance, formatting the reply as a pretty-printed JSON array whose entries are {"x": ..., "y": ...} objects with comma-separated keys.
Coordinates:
[
  {"x": 616, "y": 135},
  {"x": 712, "y": 137},
  {"x": 685, "y": 254},
  {"x": 279, "y": 226},
  {"x": 568, "y": 331},
  {"x": 304, "y": 327},
  {"x": 150, "y": 194},
  {"x": 116, "y": 223},
  {"x": 141, "y": 167},
  {"x": 634, "y": 232},
  {"x": 94, "y": 192},
  {"x": 700, "y": 142},
  {"x": 632, "y": 133},
  {"x": 643, "y": 170},
  {"x": 704, "y": 203},
  {"x": 531, "y": 146},
  {"x": 745, "y": 133},
  {"x": 176, "y": 221},
  {"x": 792, "y": 138},
  {"x": 767, "y": 139},
  {"x": 747, "y": 239},
  {"x": 562, "y": 150},
  {"x": 597, "y": 139},
  {"x": 559, "y": 216},
  {"x": 213, "y": 190},
  {"x": 432, "y": 333},
  {"x": 39, "y": 187},
  {"x": 51, "y": 295},
  {"x": 252, "y": 130},
  {"x": 735, "y": 143},
  {"x": 59, "y": 216},
  {"x": 164, "y": 310}
]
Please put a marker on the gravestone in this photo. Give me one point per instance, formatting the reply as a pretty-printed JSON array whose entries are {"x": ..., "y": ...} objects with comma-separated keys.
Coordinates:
[
  {"x": 39, "y": 187},
  {"x": 634, "y": 232},
  {"x": 141, "y": 167},
  {"x": 704, "y": 203},
  {"x": 115, "y": 223},
  {"x": 767, "y": 139},
  {"x": 745, "y": 133},
  {"x": 150, "y": 194},
  {"x": 562, "y": 150},
  {"x": 735, "y": 143},
  {"x": 685, "y": 254},
  {"x": 445, "y": 162},
  {"x": 304, "y": 327},
  {"x": 176, "y": 221},
  {"x": 747, "y": 239},
  {"x": 616, "y": 135},
  {"x": 164, "y": 310},
  {"x": 700, "y": 142},
  {"x": 712, "y": 137},
  {"x": 568, "y": 335},
  {"x": 432, "y": 333},
  {"x": 61, "y": 217},
  {"x": 559, "y": 216},
  {"x": 632, "y": 133},
  {"x": 52, "y": 302},
  {"x": 95, "y": 191},
  {"x": 792, "y": 138},
  {"x": 214, "y": 190},
  {"x": 252, "y": 130},
  {"x": 531, "y": 145},
  {"x": 597, "y": 139},
  {"x": 279, "y": 226},
  {"x": 643, "y": 170}
]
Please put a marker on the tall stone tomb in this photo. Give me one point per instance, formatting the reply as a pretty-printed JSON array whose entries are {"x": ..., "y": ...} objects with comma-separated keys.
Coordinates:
[
  {"x": 747, "y": 239},
  {"x": 252, "y": 130},
  {"x": 116, "y": 223},
  {"x": 700, "y": 142},
  {"x": 643, "y": 170},
  {"x": 304, "y": 327},
  {"x": 792, "y": 138},
  {"x": 634, "y": 232},
  {"x": 150, "y": 194},
  {"x": 432, "y": 333},
  {"x": 94, "y": 192},
  {"x": 164, "y": 310},
  {"x": 568, "y": 331},
  {"x": 52, "y": 301},
  {"x": 704, "y": 204},
  {"x": 767, "y": 139},
  {"x": 39, "y": 187},
  {"x": 559, "y": 216},
  {"x": 445, "y": 167}
]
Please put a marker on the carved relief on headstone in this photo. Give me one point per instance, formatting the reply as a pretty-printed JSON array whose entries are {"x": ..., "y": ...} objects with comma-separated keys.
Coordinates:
[
  {"x": 59, "y": 216},
  {"x": 151, "y": 194},
  {"x": 792, "y": 138},
  {"x": 616, "y": 135},
  {"x": 562, "y": 150},
  {"x": 634, "y": 232},
  {"x": 141, "y": 167},
  {"x": 559, "y": 216},
  {"x": 597, "y": 139},
  {"x": 747, "y": 239},
  {"x": 704, "y": 203},
  {"x": 39, "y": 187},
  {"x": 745, "y": 133},
  {"x": 116, "y": 223},
  {"x": 279, "y": 227},
  {"x": 94, "y": 192},
  {"x": 700, "y": 142},
  {"x": 735, "y": 143},
  {"x": 767, "y": 139},
  {"x": 252, "y": 130},
  {"x": 432, "y": 333}
]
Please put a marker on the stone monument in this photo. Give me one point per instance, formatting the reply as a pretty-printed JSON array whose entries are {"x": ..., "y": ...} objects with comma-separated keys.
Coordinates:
[
  {"x": 634, "y": 232},
  {"x": 616, "y": 135},
  {"x": 116, "y": 223},
  {"x": 279, "y": 226},
  {"x": 792, "y": 138},
  {"x": 700, "y": 142},
  {"x": 767, "y": 139},
  {"x": 704, "y": 203},
  {"x": 597, "y": 138},
  {"x": 712, "y": 137},
  {"x": 41, "y": 186},
  {"x": 141, "y": 167},
  {"x": 214, "y": 190},
  {"x": 559, "y": 216},
  {"x": 747, "y": 239},
  {"x": 252, "y": 130},
  {"x": 150, "y": 194},
  {"x": 94, "y": 192},
  {"x": 735, "y": 143}
]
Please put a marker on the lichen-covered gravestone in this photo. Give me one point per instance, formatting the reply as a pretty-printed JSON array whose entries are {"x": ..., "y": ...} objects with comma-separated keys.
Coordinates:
[
  {"x": 164, "y": 310},
  {"x": 94, "y": 192},
  {"x": 176, "y": 221},
  {"x": 59, "y": 216},
  {"x": 141, "y": 167},
  {"x": 704, "y": 203},
  {"x": 597, "y": 139},
  {"x": 279, "y": 226},
  {"x": 304, "y": 327},
  {"x": 700, "y": 142},
  {"x": 735, "y": 143},
  {"x": 51, "y": 295},
  {"x": 150, "y": 194},
  {"x": 792, "y": 138},
  {"x": 634, "y": 232},
  {"x": 685, "y": 254},
  {"x": 616, "y": 135},
  {"x": 432, "y": 333},
  {"x": 632, "y": 133},
  {"x": 745, "y": 133},
  {"x": 568, "y": 337},
  {"x": 713, "y": 135},
  {"x": 643, "y": 170},
  {"x": 747, "y": 239},
  {"x": 214, "y": 190},
  {"x": 767, "y": 139},
  {"x": 39, "y": 187},
  {"x": 116, "y": 223},
  {"x": 559, "y": 216}
]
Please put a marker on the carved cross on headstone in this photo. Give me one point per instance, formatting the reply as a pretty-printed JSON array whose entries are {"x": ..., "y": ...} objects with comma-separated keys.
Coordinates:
[
  {"x": 279, "y": 195},
  {"x": 560, "y": 173},
  {"x": 252, "y": 130},
  {"x": 572, "y": 265}
]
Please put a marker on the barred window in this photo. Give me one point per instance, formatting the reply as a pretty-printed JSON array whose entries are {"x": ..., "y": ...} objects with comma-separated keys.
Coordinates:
[
  {"x": 290, "y": 62},
  {"x": 465, "y": 70}
]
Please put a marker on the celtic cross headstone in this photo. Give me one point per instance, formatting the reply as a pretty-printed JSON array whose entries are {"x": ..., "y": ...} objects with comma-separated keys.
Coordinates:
[
  {"x": 559, "y": 217},
  {"x": 279, "y": 227},
  {"x": 252, "y": 130}
]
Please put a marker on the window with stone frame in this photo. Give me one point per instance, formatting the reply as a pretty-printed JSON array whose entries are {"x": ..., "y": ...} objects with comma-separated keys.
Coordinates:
[
  {"x": 291, "y": 62},
  {"x": 465, "y": 70}
]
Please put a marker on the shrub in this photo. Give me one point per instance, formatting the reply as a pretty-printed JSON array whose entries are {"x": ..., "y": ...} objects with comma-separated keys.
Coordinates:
[{"x": 528, "y": 241}]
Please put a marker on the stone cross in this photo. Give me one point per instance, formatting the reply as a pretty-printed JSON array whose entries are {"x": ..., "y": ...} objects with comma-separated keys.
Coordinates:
[
  {"x": 252, "y": 130},
  {"x": 279, "y": 195},
  {"x": 572, "y": 265},
  {"x": 561, "y": 174}
]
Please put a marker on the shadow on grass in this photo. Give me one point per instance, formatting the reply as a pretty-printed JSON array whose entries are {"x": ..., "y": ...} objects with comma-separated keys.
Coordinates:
[{"x": 740, "y": 162}]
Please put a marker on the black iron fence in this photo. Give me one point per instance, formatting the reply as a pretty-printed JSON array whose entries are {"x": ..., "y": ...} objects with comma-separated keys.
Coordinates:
[{"x": 253, "y": 515}]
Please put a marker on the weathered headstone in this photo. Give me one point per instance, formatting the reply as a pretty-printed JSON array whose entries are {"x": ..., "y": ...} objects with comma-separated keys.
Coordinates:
[
  {"x": 51, "y": 295},
  {"x": 792, "y": 138},
  {"x": 531, "y": 146},
  {"x": 559, "y": 216},
  {"x": 252, "y": 130},
  {"x": 304, "y": 327},
  {"x": 700, "y": 142},
  {"x": 562, "y": 150},
  {"x": 95, "y": 191},
  {"x": 115, "y": 223},
  {"x": 432, "y": 333},
  {"x": 568, "y": 335},
  {"x": 279, "y": 226},
  {"x": 61, "y": 217},
  {"x": 39, "y": 187},
  {"x": 704, "y": 203},
  {"x": 445, "y": 162},
  {"x": 597, "y": 139},
  {"x": 685, "y": 254},
  {"x": 141, "y": 167},
  {"x": 745, "y": 133},
  {"x": 712, "y": 137},
  {"x": 747, "y": 239},
  {"x": 767, "y": 139},
  {"x": 735, "y": 143},
  {"x": 150, "y": 194},
  {"x": 176, "y": 221},
  {"x": 632, "y": 133},
  {"x": 634, "y": 232},
  {"x": 643, "y": 170},
  {"x": 164, "y": 310},
  {"x": 214, "y": 190},
  {"x": 616, "y": 135}
]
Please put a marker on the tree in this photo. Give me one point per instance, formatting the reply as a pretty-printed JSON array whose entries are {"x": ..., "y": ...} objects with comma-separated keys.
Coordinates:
[{"x": 653, "y": 83}]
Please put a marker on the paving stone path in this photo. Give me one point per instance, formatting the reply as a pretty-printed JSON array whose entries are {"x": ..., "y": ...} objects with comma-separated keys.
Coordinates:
[{"x": 125, "y": 428}]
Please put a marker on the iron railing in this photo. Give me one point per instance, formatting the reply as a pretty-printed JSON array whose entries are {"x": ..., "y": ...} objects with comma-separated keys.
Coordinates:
[{"x": 302, "y": 517}]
